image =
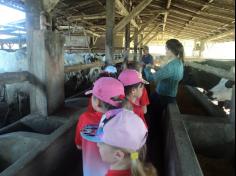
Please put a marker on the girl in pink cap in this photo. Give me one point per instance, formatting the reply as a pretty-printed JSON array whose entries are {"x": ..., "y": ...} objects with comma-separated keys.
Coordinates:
[
  {"x": 107, "y": 94},
  {"x": 121, "y": 137},
  {"x": 109, "y": 71},
  {"x": 134, "y": 85}
]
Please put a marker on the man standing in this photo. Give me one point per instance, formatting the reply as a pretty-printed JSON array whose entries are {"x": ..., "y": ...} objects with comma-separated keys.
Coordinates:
[{"x": 147, "y": 60}]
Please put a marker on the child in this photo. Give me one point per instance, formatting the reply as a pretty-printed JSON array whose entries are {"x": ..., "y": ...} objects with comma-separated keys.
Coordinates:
[
  {"x": 107, "y": 94},
  {"x": 134, "y": 84},
  {"x": 109, "y": 71},
  {"x": 120, "y": 137},
  {"x": 144, "y": 100}
]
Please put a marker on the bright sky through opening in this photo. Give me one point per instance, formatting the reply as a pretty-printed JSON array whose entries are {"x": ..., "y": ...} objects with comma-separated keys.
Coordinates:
[{"x": 9, "y": 15}]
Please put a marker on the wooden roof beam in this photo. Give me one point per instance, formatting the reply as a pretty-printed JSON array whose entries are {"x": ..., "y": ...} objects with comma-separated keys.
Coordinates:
[
  {"x": 149, "y": 33},
  {"x": 92, "y": 25},
  {"x": 218, "y": 6},
  {"x": 49, "y": 5},
  {"x": 218, "y": 16},
  {"x": 150, "y": 39},
  {"x": 188, "y": 14},
  {"x": 204, "y": 6},
  {"x": 207, "y": 20},
  {"x": 124, "y": 12},
  {"x": 221, "y": 35},
  {"x": 139, "y": 8},
  {"x": 87, "y": 17},
  {"x": 198, "y": 23},
  {"x": 145, "y": 25},
  {"x": 166, "y": 14},
  {"x": 186, "y": 33},
  {"x": 190, "y": 28}
]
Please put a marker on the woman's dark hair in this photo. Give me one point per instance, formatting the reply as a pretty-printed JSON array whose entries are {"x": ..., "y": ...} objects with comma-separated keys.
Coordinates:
[{"x": 176, "y": 47}]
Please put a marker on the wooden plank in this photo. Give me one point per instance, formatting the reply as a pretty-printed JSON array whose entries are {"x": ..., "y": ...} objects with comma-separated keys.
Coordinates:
[
  {"x": 110, "y": 23},
  {"x": 213, "y": 70},
  {"x": 132, "y": 15},
  {"x": 135, "y": 44},
  {"x": 13, "y": 77},
  {"x": 49, "y": 5},
  {"x": 124, "y": 12},
  {"x": 79, "y": 67}
]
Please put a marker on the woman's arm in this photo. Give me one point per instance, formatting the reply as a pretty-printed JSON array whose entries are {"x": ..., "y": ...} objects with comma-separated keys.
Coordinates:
[{"x": 161, "y": 74}]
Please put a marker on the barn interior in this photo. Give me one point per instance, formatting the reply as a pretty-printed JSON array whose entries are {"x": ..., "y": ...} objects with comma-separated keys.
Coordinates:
[{"x": 49, "y": 59}]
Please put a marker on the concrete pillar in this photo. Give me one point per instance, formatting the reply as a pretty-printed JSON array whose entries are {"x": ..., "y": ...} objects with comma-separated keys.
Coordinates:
[
  {"x": 110, "y": 23},
  {"x": 135, "y": 44},
  {"x": 46, "y": 63}
]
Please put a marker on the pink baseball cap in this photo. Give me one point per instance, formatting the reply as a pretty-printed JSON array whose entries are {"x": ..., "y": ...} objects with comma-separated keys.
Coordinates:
[
  {"x": 119, "y": 128},
  {"x": 107, "y": 88},
  {"x": 130, "y": 77}
]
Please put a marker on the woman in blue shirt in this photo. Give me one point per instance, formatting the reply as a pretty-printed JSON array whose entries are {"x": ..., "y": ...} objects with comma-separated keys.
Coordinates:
[{"x": 167, "y": 79}]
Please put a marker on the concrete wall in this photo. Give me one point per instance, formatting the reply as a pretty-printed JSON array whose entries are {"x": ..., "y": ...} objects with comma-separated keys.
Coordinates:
[
  {"x": 180, "y": 158},
  {"x": 212, "y": 137},
  {"x": 53, "y": 156}
]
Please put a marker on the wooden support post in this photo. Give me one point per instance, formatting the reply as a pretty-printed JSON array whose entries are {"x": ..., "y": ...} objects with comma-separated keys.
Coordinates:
[
  {"x": 110, "y": 22},
  {"x": 232, "y": 112},
  {"x": 141, "y": 46},
  {"x": 132, "y": 15},
  {"x": 135, "y": 44},
  {"x": 127, "y": 30},
  {"x": 46, "y": 64},
  {"x": 202, "y": 48}
]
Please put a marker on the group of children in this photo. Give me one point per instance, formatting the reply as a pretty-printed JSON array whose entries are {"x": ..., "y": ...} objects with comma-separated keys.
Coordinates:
[{"x": 112, "y": 133}]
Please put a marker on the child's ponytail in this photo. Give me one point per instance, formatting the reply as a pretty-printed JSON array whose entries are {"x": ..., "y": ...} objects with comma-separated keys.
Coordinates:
[{"x": 138, "y": 165}]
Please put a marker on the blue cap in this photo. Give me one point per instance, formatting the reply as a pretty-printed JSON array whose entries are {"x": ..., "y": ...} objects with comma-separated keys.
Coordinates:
[{"x": 110, "y": 69}]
